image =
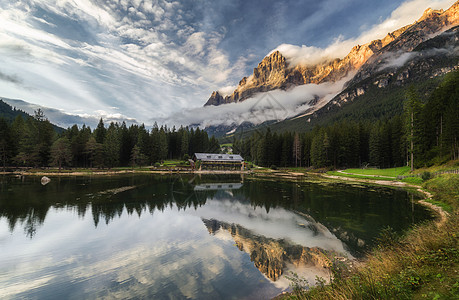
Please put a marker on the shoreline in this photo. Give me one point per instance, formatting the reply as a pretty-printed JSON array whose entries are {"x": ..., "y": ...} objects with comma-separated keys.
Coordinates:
[{"x": 121, "y": 172}]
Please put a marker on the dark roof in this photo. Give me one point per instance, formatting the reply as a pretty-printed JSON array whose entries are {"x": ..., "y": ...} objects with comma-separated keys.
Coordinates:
[{"x": 218, "y": 157}]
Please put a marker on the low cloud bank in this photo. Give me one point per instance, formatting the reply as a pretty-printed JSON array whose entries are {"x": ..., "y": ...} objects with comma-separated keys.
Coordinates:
[{"x": 274, "y": 105}]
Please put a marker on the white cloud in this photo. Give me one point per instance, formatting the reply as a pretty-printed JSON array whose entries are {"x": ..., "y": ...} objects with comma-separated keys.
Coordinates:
[
  {"x": 395, "y": 60},
  {"x": 227, "y": 90},
  {"x": 273, "y": 105}
]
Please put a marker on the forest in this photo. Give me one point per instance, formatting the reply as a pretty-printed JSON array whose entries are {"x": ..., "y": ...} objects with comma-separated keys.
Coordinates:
[
  {"x": 32, "y": 142},
  {"x": 426, "y": 134}
]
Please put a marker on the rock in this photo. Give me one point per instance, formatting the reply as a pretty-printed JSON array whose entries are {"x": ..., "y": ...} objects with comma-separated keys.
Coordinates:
[
  {"x": 45, "y": 180},
  {"x": 383, "y": 83}
]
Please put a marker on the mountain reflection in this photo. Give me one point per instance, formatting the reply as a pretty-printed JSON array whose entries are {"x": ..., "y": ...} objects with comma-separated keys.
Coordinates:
[
  {"x": 271, "y": 256},
  {"x": 353, "y": 214}
]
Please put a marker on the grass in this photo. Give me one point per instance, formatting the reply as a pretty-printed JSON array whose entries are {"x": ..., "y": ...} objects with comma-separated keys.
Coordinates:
[
  {"x": 393, "y": 172},
  {"x": 335, "y": 173},
  {"x": 445, "y": 189},
  {"x": 413, "y": 180},
  {"x": 422, "y": 264},
  {"x": 450, "y": 165},
  {"x": 172, "y": 162}
]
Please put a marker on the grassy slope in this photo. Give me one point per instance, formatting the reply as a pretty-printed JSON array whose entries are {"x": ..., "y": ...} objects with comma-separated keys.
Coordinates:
[
  {"x": 421, "y": 265},
  {"x": 381, "y": 172}
]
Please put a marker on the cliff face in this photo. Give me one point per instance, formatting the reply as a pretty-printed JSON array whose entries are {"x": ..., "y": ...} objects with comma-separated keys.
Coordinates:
[{"x": 273, "y": 72}]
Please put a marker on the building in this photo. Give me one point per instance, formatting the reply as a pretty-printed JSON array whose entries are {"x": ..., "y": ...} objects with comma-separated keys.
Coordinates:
[{"x": 212, "y": 161}]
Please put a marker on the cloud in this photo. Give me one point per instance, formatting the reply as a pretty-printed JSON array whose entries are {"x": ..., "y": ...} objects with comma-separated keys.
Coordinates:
[
  {"x": 396, "y": 60},
  {"x": 10, "y": 78},
  {"x": 273, "y": 105},
  {"x": 227, "y": 90}
]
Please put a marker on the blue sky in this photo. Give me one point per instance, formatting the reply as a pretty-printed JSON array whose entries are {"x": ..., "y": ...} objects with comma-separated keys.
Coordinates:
[{"x": 154, "y": 60}]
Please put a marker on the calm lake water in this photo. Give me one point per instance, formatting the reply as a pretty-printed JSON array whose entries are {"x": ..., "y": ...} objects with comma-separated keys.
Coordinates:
[{"x": 167, "y": 237}]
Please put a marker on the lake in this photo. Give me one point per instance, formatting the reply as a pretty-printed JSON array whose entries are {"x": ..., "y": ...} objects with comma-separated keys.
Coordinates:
[{"x": 176, "y": 237}]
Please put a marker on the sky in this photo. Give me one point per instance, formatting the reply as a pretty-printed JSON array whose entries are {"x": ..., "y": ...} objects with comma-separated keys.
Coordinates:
[{"x": 157, "y": 60}]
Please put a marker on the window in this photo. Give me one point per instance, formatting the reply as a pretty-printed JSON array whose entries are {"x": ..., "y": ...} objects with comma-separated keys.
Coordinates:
[
  {"x": 220, "y": 156},
  {"x": 209, "y": 156}
]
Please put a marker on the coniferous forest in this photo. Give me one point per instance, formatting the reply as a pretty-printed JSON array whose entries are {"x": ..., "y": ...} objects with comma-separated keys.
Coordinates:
[
  {"x": 427, "y": 131},
  {"x": 32, "y": 142}
]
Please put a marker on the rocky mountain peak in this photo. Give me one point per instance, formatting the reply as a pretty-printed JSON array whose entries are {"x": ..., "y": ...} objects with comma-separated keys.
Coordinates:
[
  {"x": 273, "y": 72},
  {"x": 429, "y": 13}
]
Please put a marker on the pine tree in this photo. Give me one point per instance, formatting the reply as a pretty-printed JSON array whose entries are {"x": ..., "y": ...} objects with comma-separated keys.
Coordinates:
[
  {"x": 297, "y": 149},
  {"x": 95, "y": 153},
  {"x": 112, "y": 146},
  {"x": 413, "y": 108},
  {"x": 61, "y": 152},
  {"x": 5, "y": 143},
  {"x": 100, "y": 132}
]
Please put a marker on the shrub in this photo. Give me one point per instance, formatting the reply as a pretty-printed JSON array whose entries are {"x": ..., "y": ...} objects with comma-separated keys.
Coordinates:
[
  {"x": 426, "y": 176},
  {"x": 274, "y": 167},
  {"x": 157, "y": 165}
]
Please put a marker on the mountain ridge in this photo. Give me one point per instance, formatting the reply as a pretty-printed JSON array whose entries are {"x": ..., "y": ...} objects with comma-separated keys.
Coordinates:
[{"x": 274, "y": 72}]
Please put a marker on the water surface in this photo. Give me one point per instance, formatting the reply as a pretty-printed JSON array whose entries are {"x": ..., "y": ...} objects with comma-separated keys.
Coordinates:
[{"x": 167, "y": 237}]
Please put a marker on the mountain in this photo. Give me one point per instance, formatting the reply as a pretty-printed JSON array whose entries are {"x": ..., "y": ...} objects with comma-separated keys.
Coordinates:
[
  {"x": 380, "y": 71},
  {"x": 9, "y": 113},
  {"x": 273, "y": 72},
  {"x": 380, "y": 94}
]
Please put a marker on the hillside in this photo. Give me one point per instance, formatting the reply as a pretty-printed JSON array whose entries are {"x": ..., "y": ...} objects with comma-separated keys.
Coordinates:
[{"x": 9, "y": 113}]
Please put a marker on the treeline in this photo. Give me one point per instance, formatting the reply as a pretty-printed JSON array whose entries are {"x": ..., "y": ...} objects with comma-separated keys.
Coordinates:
[
  {"x": 427, "y": 133},
  {"x": 343, "y": 144},
  {"x": 33, "y": 143}
]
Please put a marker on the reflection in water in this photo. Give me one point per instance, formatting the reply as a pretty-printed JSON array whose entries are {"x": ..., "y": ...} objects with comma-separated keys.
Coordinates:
[
  {"x": 274, "y": 257},
  {"x": 148, "y": 236}
]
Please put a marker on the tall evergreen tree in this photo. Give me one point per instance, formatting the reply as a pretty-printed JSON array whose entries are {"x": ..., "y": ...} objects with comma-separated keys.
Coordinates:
[
  {"x": 412, "y": 110},
  {"x": 61, "y": 152}
]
